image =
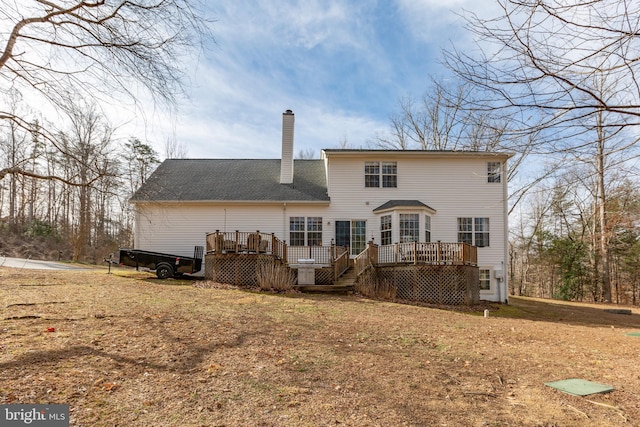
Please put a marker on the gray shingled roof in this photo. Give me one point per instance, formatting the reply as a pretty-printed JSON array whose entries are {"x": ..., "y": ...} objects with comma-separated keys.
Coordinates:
[
  {"x": 232, "y": 179},
  {"x": 402, "y": 204}
]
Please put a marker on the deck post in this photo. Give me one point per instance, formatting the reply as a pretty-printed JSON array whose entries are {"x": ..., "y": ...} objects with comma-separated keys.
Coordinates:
[
  {"x": 439, "y": 252},
  {"x": 372, "y": 253},
  {"x": 284, "y": 253}
]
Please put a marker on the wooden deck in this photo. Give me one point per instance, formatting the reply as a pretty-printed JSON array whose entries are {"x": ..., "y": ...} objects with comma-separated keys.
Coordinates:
[
  {"x": 238, "y": 253},
  {"x": 417, "y": 253}
]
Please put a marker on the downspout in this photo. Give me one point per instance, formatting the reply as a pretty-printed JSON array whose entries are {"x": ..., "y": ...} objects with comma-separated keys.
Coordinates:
[
  {"x": 505, "y": 264},
  {"x": 284, "y": 221}
]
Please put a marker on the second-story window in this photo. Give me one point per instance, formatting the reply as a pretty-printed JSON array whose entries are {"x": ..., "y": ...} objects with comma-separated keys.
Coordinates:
[
  {"x": 381, "y": 174},
  {"x": 390, "y": 174},
  {"x": 372, "y": 174},
  {"x": 493, "y": 171}
]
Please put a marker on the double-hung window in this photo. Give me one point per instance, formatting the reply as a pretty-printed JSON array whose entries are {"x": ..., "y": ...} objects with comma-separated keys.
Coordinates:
[
  {"x": 474, "y": 231},
  {"x": 485, "y": 278},
  {"x": 314, "y": 231},
  {"x": 427, "y": 228},
  {"x": 372, "y": 174},
  {"x": 493, "y": 171},
  {"x": 390, "y": 174},
  {"x": 381, "y": 174},
  {"x": 385, "y": 229},
  {"x": 305, "y": 231},
  {"x": 296, "y": 231}
]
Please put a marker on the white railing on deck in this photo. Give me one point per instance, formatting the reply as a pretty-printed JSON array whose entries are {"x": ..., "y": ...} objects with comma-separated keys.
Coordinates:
[{"x": 428, "y": 253}]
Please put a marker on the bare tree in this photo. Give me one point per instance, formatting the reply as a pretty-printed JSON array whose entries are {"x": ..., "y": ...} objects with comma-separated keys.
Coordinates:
[
  {"x": 307, "y": 154},
  {"x": 13, "y": 144},
  {"x": 566, "y": 72},
  {"x": 104, "y": 50},
  {"x": 540, "y": 57},
  {"x": 88, "y": 146},
  {"x": 442, "y": 119},
  {"x": 174, "y": 149}
]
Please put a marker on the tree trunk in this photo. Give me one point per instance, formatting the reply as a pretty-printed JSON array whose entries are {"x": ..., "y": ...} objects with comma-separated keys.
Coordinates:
[{"x": 605, "y": 278}]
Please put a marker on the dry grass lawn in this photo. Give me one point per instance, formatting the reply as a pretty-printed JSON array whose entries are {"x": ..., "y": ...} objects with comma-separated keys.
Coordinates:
[{"x": 124, "y": 349}]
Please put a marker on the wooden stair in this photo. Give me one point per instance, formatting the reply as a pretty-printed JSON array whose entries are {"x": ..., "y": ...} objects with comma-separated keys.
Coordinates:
[{"x": 344, "y": 285}]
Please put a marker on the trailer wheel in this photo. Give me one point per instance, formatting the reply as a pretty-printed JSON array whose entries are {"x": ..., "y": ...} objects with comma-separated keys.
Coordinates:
[{"x": 164, "y": 271}]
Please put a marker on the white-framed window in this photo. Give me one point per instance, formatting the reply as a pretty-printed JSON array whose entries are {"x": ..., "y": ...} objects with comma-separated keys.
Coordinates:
[
  {"x": 386, "y": 229},
  {"x": 389, "y": 174},
  {"x": 314, "y": 231},
  {"x": 305, "y": 231},
  {"x": 485, "y": 279},
  {"x": 296, "y": 231},
  {"x": 493, "y": 171},
  {"x": 409, "y": 228},
  {"x": 427, "y": 228},
  {"x": 381, "y": 174},
  {"x": 481, "y": 232},
  {"x": 474, "y": 231},
  {"x": 372, "y": 174}
]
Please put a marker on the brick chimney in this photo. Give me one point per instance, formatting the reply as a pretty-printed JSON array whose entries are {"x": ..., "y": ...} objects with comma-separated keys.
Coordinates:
[{"x": 286, "y": 163}]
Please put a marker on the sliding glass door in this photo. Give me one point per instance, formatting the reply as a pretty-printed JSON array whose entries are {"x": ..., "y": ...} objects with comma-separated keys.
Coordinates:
[{"x": 352, "y": 233}]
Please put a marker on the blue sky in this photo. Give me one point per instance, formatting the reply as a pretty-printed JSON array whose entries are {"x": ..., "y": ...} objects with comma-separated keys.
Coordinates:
[{"x": 341, "y": 66}]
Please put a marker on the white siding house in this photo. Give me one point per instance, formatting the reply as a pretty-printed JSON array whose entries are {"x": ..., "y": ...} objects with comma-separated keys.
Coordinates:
[{"x": 348, "y": 197}]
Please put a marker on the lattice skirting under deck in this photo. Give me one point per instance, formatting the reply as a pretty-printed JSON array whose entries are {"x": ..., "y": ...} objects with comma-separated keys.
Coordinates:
[
  {"x": 434, "y": 284},
  {"x": 242, "y": 269}
]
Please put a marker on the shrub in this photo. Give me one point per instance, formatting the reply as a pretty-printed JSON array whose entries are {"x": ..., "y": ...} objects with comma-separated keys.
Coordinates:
[{"x": 275, "y": 278}]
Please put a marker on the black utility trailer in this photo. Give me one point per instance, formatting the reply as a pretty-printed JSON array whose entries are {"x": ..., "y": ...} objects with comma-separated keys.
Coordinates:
[{"x": 165, "y": 265}]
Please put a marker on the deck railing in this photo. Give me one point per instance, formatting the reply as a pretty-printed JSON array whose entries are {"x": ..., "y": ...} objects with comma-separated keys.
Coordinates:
[
  {"x": 417, "y": 253},
  {"x": 341, "y": 260},
  {"x": 432, "y": 253},
  {"x": 245, "y": 242},
  {"x": 252, "y": 242}
]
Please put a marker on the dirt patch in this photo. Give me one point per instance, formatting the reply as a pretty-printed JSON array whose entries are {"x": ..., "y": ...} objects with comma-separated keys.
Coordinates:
[{"x": 126, "y": 349}]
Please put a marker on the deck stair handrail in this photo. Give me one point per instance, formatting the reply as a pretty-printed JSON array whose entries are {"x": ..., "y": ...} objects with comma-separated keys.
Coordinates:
[
  {"x": 368, "y": 258},
  {"x": 340, "y": 256}
]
